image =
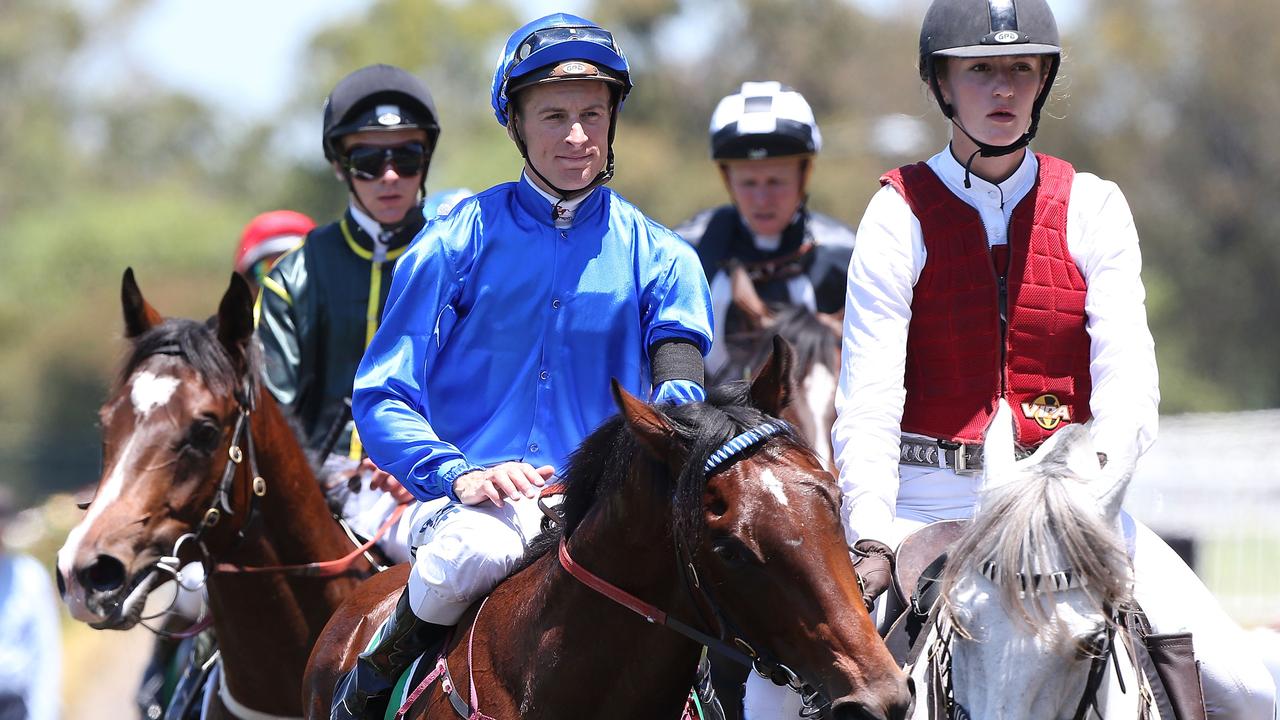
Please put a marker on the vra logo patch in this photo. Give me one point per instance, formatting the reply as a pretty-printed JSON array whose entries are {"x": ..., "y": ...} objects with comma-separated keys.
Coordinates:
[{"x": 1047, "y": 411}]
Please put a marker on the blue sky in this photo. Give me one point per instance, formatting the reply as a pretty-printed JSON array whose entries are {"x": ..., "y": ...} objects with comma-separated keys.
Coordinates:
[{"x": 243, "y": 54}]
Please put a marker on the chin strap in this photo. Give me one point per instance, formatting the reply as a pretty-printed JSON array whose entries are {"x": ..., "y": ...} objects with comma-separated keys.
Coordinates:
[
  {"x": 601, "y": 177},
  {"x": 986, "y": 150}
]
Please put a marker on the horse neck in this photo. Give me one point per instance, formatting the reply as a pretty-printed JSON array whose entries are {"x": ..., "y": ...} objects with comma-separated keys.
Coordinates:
[
  {"x": 275, "y": 615},
  {"x": 627, "y": 541}
]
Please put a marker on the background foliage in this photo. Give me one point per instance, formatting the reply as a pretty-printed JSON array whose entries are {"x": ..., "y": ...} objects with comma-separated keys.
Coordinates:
[{"x": 1156, "y": 94}]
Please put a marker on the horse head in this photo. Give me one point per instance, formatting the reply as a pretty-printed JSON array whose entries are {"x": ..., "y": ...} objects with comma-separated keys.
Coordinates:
[
  {"x": 758, "y": 527},
  {"x": 168, "y": 430},
  {"x": 750, "y": 327},
  {"x": 1031, "y": 589}
]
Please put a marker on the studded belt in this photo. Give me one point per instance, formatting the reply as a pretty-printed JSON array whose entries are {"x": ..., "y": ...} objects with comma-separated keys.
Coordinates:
[{"x": 941, "y": 454}]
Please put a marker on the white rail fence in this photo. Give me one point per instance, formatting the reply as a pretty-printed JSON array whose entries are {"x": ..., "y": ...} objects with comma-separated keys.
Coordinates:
[{"x": 1213, "y": 481}]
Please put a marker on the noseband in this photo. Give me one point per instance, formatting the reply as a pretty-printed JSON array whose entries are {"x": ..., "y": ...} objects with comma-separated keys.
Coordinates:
[{"x": 730, "y": 641}]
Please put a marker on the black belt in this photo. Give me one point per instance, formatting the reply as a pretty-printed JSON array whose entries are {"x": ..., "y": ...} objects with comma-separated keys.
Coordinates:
[{"x": 941, "y": 454}]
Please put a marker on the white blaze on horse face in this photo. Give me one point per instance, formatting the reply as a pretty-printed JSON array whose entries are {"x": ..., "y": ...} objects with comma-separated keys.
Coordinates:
[
  {"x": 151, "y": 391},
  {"x": 108, "y": 492},
  {"x": 819, "y": 392},
  {"x": 774, "y": 486}
]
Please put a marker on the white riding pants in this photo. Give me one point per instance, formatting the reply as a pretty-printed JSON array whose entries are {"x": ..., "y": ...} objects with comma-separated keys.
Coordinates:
[
  {"x": 1237, "y": 685},
  {"x": 461, "y": 553}
]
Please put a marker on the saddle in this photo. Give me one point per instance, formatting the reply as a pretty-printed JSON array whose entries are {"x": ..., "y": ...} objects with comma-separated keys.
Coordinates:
[
  {"x": 920, "y": 558},
  {"x": 1166, "y": 659}
]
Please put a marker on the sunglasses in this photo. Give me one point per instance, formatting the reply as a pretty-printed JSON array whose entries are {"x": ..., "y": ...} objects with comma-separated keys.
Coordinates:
[{"x": 369, "y": 162}]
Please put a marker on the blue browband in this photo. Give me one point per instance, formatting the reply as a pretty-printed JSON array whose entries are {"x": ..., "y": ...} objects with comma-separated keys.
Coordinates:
[{"x": 754, "y": 436}]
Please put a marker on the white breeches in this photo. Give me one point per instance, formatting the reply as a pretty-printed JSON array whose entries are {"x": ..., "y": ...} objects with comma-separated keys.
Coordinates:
[
  {"x": 366, "y": 510},
  {"x": 462, "y": 552},
  {"x": 1236, "y": 683}
]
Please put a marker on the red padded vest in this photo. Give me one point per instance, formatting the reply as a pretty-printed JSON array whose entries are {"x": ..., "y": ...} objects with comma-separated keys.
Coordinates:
[{"x": 956, "y": 370}]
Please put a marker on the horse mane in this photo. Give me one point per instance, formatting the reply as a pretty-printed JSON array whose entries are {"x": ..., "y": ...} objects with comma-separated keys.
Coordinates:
[
  {"x": 198, "y": 344},
  {"x": 602, "y": 464},
  {"x": 811, "y": 341},
  {"x": 1042, "y": 520}
]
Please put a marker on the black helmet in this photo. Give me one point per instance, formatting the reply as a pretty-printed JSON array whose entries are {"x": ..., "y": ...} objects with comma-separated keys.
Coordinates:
[
  {"x": 989, "y": 28},
  {"x": 378, "y": 97},
  {"x": 763, "y": 120}
]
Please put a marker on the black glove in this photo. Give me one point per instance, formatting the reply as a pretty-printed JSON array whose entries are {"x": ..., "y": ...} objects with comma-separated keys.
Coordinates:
[{"x": 873, "y": 561}]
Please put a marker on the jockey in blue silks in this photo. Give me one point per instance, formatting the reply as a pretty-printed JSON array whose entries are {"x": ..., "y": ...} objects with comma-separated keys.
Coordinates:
[{"x": 505, "y": 322}]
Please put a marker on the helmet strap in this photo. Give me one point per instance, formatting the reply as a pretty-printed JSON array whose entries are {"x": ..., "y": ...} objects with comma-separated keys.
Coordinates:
[
  {"x": 601, "y": 177},
  {"x": 986, "y": 149}
]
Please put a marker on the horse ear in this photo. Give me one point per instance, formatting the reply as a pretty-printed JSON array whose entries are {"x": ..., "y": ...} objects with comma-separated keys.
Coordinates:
[
  {"x": 235, "y": 317},
  {"x": 139, "y": 316},
  {"x": 1114, "y": 480},
  {"x": 648, "y": 425},
  {"x": 1072, "y": 447},
  {"x": 754, "y": 311},
  {"x": 771, "y": 389}
]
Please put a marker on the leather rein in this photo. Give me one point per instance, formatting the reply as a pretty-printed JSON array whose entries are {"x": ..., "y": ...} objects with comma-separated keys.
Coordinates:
[{"x": 730, "y": 641}]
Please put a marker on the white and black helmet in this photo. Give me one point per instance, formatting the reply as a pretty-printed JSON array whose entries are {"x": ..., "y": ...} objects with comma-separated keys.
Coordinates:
[
  {"x": 989, "y": 28},
  {"x": 763, "y": 120}
]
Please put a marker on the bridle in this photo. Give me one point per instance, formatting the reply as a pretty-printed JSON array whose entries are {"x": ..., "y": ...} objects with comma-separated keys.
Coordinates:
[
  {"x": 729, "y": 641},
  {"x": 944, "y": 704},
  {"x": 240, "y": 450}
]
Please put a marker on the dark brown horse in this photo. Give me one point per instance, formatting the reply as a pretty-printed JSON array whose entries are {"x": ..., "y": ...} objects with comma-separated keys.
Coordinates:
[
  {"x": 199, "y": 463},
  {"x": 751, "y": 550}
]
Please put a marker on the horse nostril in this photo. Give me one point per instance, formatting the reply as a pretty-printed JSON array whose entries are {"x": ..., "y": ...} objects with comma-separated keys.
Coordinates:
[
  {"x": 846, "y": 710},
  {"x": 62, "y": 584},
  {"x": 104, "y": 574}
]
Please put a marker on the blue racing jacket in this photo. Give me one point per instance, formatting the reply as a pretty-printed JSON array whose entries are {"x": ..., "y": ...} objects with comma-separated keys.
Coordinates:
[{"x": 501, "y": 333}]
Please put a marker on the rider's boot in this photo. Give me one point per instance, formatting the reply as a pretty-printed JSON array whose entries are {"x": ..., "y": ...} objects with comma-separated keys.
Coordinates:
[{"x": 365, "y": 691}]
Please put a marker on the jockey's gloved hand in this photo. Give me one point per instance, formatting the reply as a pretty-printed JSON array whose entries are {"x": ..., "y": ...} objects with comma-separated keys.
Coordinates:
[
  {"x": 873, "y": 561},
  {"x": 679, "y": 392}
]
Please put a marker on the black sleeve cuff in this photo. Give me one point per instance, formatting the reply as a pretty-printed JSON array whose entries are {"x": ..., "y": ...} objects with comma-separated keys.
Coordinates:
[{"x": 676, "y": 359}]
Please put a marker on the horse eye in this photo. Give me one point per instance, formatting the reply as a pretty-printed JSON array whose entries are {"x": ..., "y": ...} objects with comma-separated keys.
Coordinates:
[
  {"x": 205, "y": 435},
  {"x": 732, "y": 552}
]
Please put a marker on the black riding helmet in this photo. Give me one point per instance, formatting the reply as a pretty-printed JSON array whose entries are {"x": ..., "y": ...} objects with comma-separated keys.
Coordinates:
[
  {"x": 989, "y": 28},
  {"x": 378, "y": 97}
]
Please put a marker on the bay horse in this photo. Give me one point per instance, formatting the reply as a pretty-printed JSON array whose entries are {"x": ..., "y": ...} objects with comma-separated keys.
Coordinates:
[
  {"x": 1032, "y": 593},
  {"x": 750, "y": 326},
  {"x": 750, "y": 554},
  {"x": 199, "y": 463}
]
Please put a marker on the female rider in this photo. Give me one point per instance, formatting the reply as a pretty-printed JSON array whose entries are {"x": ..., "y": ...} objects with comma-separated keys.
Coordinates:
[{"x": 989, "y": 272}]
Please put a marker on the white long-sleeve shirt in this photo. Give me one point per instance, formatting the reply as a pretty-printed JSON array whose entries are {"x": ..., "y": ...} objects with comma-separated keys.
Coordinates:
[{"x": 885, "y": 266}]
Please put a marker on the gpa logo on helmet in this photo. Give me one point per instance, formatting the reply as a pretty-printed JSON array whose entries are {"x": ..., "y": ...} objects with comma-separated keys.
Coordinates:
[
  {"x": 1006, "y": 36},
  {"x": 388, "y": 114},
  {"x": 758, "y": 153},
  {"x": 575, "y": 69},
  {"x": 1047, "y": 411}
]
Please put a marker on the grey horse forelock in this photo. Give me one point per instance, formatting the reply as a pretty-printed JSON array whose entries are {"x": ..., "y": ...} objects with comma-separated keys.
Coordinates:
[{"x": 1044, "y": 521}]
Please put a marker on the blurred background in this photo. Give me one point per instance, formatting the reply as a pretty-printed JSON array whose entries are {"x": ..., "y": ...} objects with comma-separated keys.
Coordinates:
[{"x": 145, "y": 133}]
